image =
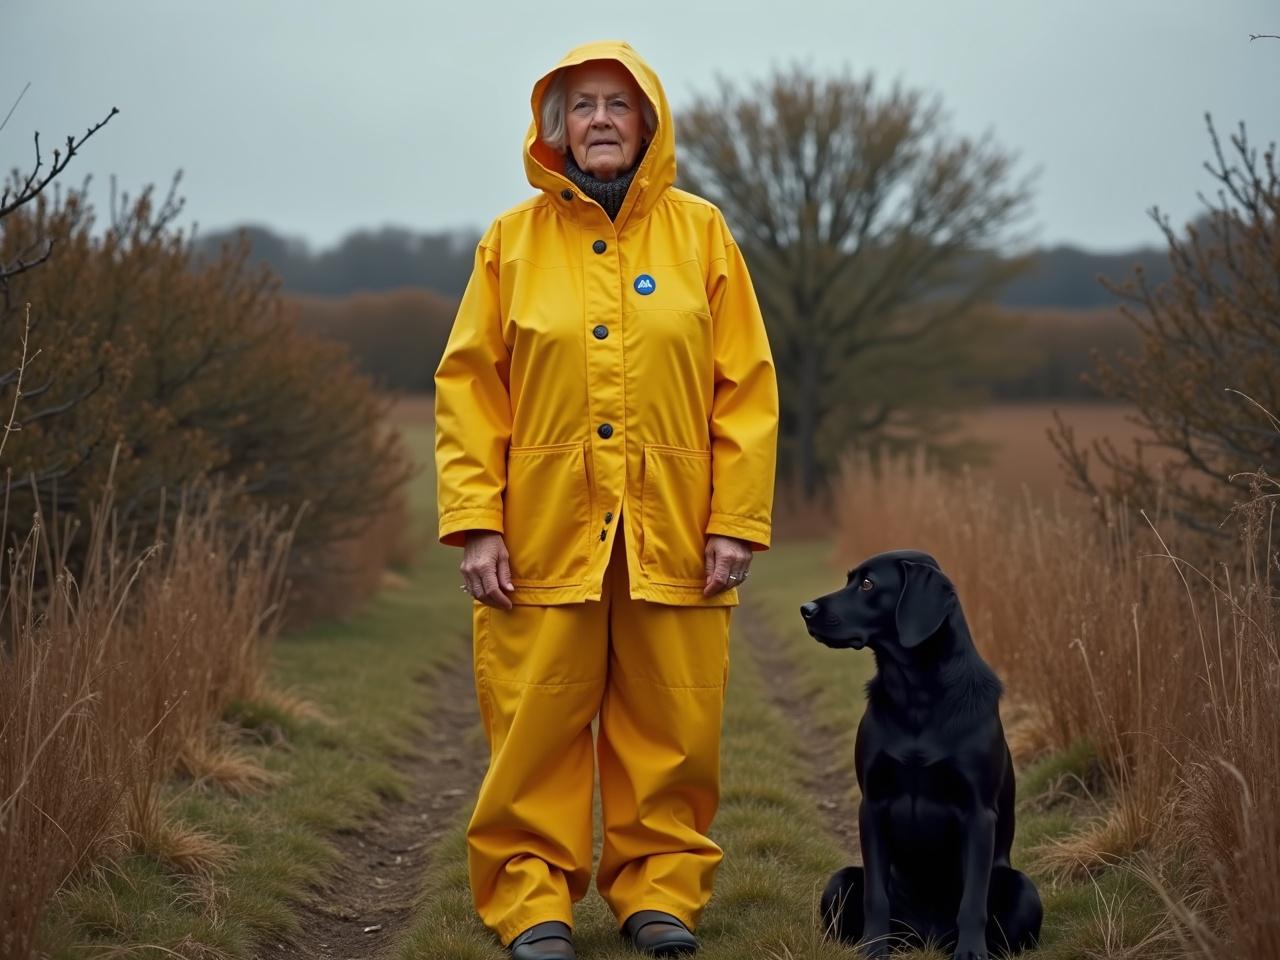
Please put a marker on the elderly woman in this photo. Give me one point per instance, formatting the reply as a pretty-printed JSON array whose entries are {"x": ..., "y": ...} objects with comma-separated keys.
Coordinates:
[{"x": 606, "y": 424}]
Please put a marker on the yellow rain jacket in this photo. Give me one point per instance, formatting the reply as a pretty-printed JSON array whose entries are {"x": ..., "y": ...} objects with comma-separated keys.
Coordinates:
[{"x": 603, "y": 369}]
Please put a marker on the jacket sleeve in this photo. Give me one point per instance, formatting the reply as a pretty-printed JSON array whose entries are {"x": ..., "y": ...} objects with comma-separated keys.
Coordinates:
[
  {"x": 744, "y": 411},
  {"x": 473, "y": 408}
]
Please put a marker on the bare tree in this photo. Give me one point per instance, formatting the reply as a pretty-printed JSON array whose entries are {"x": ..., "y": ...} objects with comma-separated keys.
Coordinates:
[
  {"x": 872, "y": 239},
  {"x": 22, "y": 191},
  {"x": 15, "y": 196},
  {"x": 1210, "y": 355}
]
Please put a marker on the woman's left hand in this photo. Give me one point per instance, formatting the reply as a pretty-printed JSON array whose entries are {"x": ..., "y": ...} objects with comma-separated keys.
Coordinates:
[{"x": 728, "y": 562}]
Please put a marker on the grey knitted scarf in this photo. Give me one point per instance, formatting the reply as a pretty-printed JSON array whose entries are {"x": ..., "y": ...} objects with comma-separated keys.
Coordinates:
[{"x": 608, "y": 193}]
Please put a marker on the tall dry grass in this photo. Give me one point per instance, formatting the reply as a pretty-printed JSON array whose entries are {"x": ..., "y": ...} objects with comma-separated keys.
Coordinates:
[
  {"x": 112, "y": 682},
  {"x": 339, "y": 580},
  {"x": 1227, "y": 806},
  {"x": 1103, "y": 635}
]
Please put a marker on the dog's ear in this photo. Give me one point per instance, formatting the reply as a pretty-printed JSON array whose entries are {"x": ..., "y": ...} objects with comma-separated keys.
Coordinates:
[{"x": 925, "y": 601}]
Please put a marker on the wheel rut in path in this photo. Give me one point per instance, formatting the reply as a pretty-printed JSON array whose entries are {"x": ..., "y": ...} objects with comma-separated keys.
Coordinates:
[
  {"x": 368, "y": 902},
  {"x": 829, "y": 780}
]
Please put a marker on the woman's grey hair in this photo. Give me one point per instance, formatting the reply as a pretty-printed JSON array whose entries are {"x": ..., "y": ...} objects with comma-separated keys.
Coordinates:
[{"x": 551, "y": 124}]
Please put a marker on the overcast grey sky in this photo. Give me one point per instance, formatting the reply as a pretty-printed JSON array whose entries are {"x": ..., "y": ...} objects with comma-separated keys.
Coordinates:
[{"x": 315, "y": 118}]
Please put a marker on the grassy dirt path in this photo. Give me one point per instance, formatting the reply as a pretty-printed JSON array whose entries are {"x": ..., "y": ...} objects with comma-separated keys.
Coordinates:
[
  {"x": 365, "y": 905},
  {"x": 829, "y": 777}
]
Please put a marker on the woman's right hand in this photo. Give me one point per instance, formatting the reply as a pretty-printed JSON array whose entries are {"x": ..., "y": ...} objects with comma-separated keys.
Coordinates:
[{"x": 486, "y": 568}]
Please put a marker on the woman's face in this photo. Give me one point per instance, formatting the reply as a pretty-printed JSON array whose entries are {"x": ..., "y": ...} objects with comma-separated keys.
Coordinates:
[{"x": 604, "y": 122}]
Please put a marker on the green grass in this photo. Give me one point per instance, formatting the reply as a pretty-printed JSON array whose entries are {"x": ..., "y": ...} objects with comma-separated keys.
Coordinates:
[{"x": 362, "y": 673}]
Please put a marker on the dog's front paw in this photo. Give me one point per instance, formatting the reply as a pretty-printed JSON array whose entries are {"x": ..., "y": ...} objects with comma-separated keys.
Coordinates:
[
  {"x": 972, "y": 945},
  {"x": 875, "y": 947}
]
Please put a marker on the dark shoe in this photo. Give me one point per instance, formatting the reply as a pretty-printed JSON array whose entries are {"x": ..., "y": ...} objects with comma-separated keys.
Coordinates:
[
  {"x": 659, "y": 934},
  {"x": 544, "y": 941}
]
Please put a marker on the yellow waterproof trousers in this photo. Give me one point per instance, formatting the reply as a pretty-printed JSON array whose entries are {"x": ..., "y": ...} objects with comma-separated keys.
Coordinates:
[{"x": 655, "y": 675}]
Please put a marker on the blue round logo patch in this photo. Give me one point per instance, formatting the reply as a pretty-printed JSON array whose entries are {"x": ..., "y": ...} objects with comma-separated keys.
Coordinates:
[{"x": 644, "y": 285}]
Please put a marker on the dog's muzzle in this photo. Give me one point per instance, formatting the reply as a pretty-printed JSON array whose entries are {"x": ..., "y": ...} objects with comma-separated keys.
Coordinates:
[{"x": 809, "y": 611}]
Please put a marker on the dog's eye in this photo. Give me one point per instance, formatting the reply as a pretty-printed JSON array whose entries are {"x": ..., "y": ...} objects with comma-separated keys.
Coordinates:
[{"x": 867, "y": 585}]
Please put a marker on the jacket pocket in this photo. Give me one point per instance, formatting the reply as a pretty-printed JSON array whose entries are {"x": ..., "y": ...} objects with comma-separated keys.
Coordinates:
[
  {"x": 546, "y": 514},
  {"x": 675, "y": 508}
]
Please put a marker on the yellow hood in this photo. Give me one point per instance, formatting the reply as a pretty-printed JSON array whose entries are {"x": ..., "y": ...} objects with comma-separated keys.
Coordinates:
[{"x": 544, "y": 166}]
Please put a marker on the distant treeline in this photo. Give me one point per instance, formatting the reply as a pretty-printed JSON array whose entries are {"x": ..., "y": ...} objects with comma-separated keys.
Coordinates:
[
  {"x": 393, "y": 257},
  {"x": 397, "y": 336},
  {"x": 389, "y": 295},
  {"x": 364, "y": 260}
]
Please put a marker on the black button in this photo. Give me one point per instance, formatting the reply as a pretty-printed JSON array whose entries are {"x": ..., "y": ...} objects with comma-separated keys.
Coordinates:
[
  {"x": 599, "y": 246},
  {"x": 566, "y": 194},
  {"x": 605, "y": 430},
  {"x": 602, "y": 534},
  {"x": 600, "y": 332},
  {"x": 608, "y": 517}
]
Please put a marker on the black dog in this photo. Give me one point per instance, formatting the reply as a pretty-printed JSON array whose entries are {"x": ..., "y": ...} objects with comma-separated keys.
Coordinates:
[{"x": 936, "y": 817}]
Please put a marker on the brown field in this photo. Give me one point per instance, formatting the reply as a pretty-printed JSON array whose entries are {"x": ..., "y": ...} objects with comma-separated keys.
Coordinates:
[
  {"x": 413, "y": 409},
  {"x": 1025, "y": 456}
]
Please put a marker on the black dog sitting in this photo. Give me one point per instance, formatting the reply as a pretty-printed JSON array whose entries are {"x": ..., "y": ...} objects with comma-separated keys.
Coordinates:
[{"x": 936, "y": 817}]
